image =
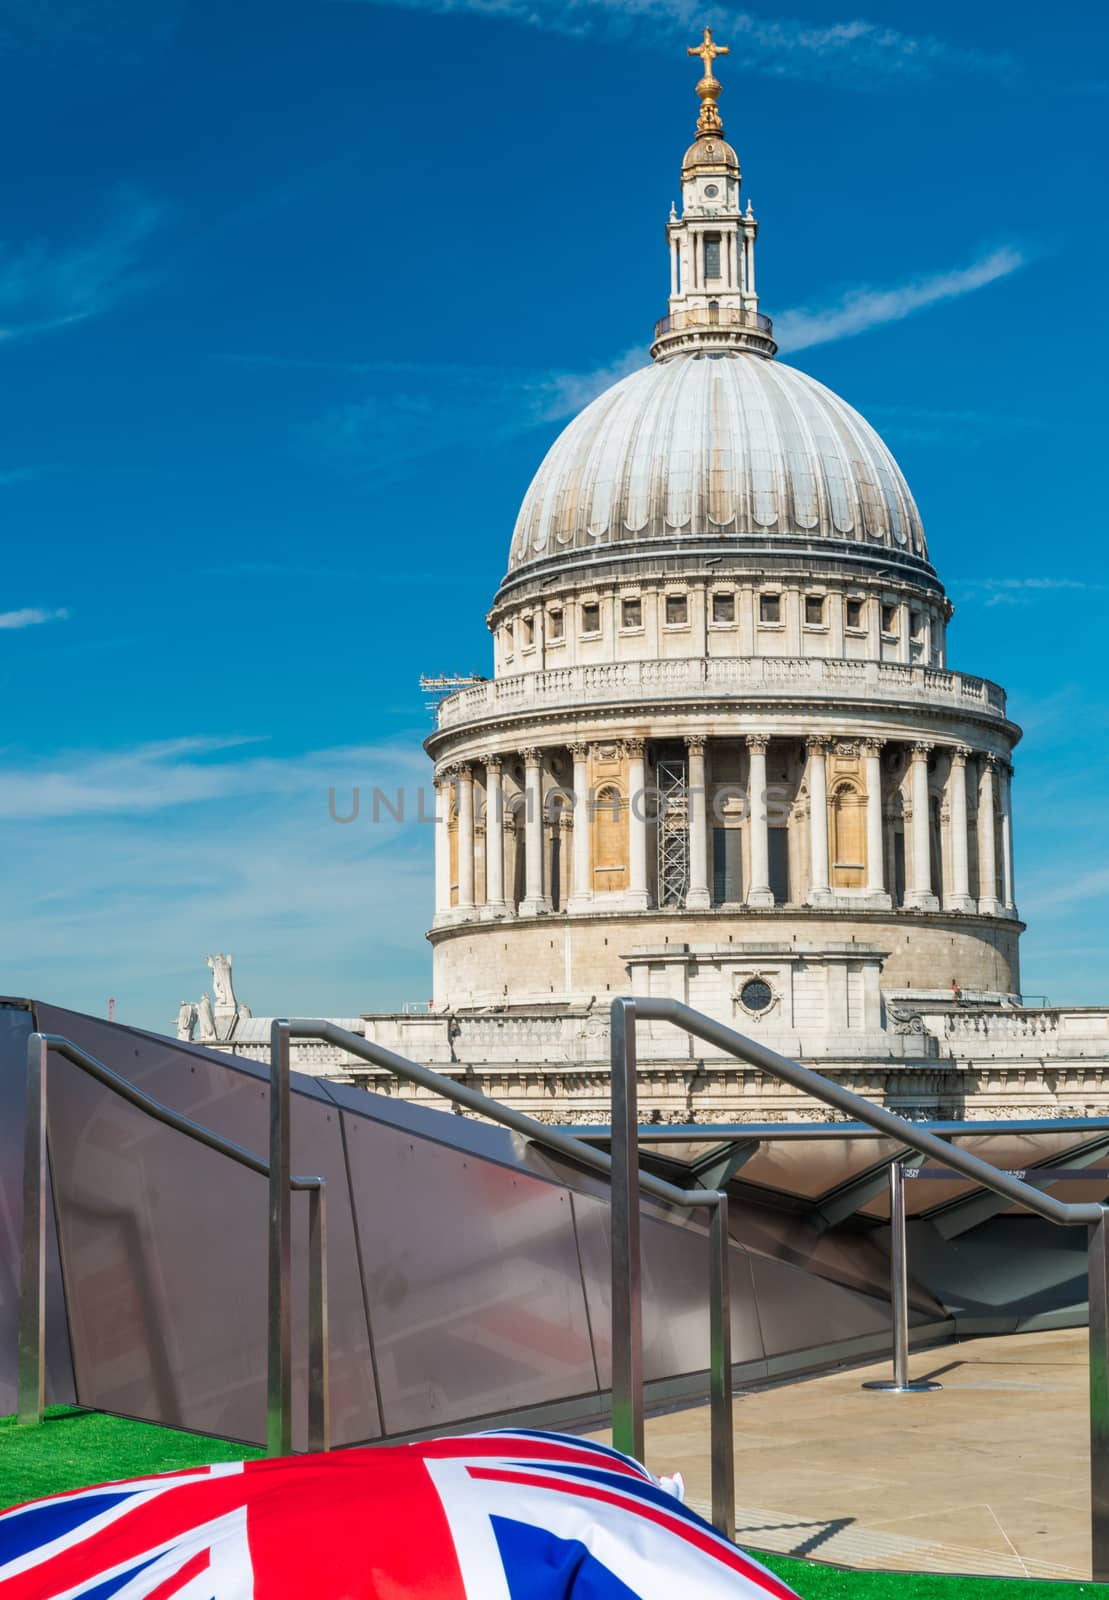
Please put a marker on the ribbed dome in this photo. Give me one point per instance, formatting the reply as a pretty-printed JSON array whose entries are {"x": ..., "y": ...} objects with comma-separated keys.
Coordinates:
[{"x": 727, "y": 446}]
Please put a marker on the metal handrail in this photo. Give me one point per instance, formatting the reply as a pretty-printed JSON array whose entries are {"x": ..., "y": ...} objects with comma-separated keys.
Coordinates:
[
  {"x": 31, "y": 1369},
  {"x": 626, "y": 1288},
  {"x": 627, "y": 1011}
]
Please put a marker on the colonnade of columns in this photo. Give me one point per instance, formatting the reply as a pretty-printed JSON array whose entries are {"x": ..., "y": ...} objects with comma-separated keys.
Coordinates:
[{"x": 640, "y": 803}]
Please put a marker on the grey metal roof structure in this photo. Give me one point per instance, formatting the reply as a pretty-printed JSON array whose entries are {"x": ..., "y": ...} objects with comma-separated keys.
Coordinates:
[{"x": 469, "y": 1276}]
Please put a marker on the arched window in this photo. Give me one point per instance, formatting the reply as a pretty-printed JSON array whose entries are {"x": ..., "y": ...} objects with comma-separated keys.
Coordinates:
[
  {"x": 610, "y": 839},
  {"x": 848, "y": 837}
]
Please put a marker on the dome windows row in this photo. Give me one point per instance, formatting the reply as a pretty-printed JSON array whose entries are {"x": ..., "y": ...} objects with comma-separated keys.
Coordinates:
[{"x": 721, "y": 619}]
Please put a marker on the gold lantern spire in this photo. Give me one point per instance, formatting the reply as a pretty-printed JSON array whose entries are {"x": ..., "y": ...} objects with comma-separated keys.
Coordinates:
[{"x": 709, "y": 87}]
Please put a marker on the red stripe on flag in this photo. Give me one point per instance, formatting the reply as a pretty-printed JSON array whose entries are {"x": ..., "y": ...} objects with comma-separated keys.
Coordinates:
[
  {"x": 359, "y": 1525},
  {"x": 199, "y": 1563},
  {"x": 524, "y": 1450}
]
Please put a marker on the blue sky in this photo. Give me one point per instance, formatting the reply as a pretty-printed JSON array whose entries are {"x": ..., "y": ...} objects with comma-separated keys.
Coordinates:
[{"x": 293, "y": 298}]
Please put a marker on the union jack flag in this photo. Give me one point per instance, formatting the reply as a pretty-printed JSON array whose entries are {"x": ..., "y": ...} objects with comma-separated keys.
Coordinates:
[{"x": 493, "y": 1516}]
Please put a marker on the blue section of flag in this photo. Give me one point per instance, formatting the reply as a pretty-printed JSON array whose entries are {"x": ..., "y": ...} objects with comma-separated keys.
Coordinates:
[
  {"x": 540, "y": 1566},
  {"x": 22, "y": 1531},
  {"x": 111, "y": 1586}
]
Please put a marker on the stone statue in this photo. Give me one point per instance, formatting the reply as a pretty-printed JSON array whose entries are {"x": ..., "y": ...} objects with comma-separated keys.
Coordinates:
[
  {"x": 221, "y": 983},
  {"x": 207, "y": 1020},
  {"x": 216, "y": 1022}
]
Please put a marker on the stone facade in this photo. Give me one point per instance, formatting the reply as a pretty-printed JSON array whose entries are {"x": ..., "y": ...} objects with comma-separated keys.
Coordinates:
[{"x": 723, "y": 758}]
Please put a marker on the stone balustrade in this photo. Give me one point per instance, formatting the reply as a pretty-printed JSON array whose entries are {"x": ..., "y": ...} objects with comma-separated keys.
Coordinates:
[
  {"x": 760, "y": 677},
  {"x": 1058, "y": 1033},
  {"x": 1001, "y": 1024}
]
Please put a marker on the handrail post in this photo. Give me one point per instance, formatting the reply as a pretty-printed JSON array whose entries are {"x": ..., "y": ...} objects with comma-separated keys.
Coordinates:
[
  {"x": 319, "y": 1375},
  {"x": 627, "y": 1303},
  {"x": 720, "y": 1371},
  {"x": 279, "y": 1321},
  {"x": 1098, "y": 1277},
  {"x": 31, "y": 1376},
  {"x": 899, "y": 1294}
]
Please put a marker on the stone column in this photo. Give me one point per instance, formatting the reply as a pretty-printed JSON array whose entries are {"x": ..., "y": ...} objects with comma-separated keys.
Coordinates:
[
  {"x": 442, "y": 844},
  {"x": 494, "y": 837},
  {"x": 465, "y": 837},
  {"x": 820, "y": 889},
  {"x": 581, "y": 895},
  {"x": 535, "y": 900},
  {"x": 637, "y": 825},
  {"x": 988, "y": 903},
  {"x": 697, "y": 897},
  {"x": 759, "y": 892},
  {"x": 921, "y": 895},
  {"x": 673, "y": 265},
  {"x": 875, "y": 852},
  {"x": 960, "y": 897},
  {"x": 1007, "y": 894}
]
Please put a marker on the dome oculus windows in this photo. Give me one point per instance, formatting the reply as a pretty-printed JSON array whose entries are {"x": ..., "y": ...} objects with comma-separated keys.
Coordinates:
[{"x": 756, "y": 996}]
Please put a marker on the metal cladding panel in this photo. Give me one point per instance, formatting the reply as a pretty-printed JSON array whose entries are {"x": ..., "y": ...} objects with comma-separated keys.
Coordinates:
[
  {"x": 817, "y": 1167},
  {"x": 854, "y": 1260},
  {"x": 1010, "y": 1266},
  {"x": 1011, "y": 1151},
  {"x": 164, "y": 1242},
  {"x": 799, "y": 1312},
  {"x": 675, "y": 1294},
  {"x": 16, "y": 1025},
  {"x": 472, "y": 1279}
]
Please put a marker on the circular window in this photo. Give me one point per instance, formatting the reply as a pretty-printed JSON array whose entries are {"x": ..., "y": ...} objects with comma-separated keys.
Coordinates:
[
  {"x": 756, "y": 995},
  {"x": 711, "y": 191}
]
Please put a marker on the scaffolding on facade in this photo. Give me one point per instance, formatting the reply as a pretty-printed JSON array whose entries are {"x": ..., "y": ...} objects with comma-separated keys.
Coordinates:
[{"x": 673, "y": 833}]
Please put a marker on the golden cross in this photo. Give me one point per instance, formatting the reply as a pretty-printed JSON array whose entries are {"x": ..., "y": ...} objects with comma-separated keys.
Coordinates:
[{"x": 708, "y": 51}]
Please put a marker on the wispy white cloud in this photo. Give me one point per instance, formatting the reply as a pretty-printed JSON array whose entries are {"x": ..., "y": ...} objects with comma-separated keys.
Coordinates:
[
  {"x": 156, "y": 777},
  {"x": 31, "y": 616},
  {"x": 1022, "y": 591},
  {"x": 866, "y": 53},
  {"x": 425, "y": 409},
  {"x": 1064, "y": 890},
  {"x": 862, "y": 308},
  {"x": 412, "y": 410},
  {"x": 128, "y": 865},
  {"x": 567, "y": 393},
  {"x": 44, "y": 285}
]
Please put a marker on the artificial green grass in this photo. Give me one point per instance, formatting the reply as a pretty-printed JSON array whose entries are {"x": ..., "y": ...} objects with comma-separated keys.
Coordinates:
[
  {"x": 75, "y": 1448},
  {"x": 815, "y": 1582}
]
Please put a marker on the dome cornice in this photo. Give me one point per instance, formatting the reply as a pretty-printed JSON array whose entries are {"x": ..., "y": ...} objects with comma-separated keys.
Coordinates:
[{"x": 713, "y": 559}]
